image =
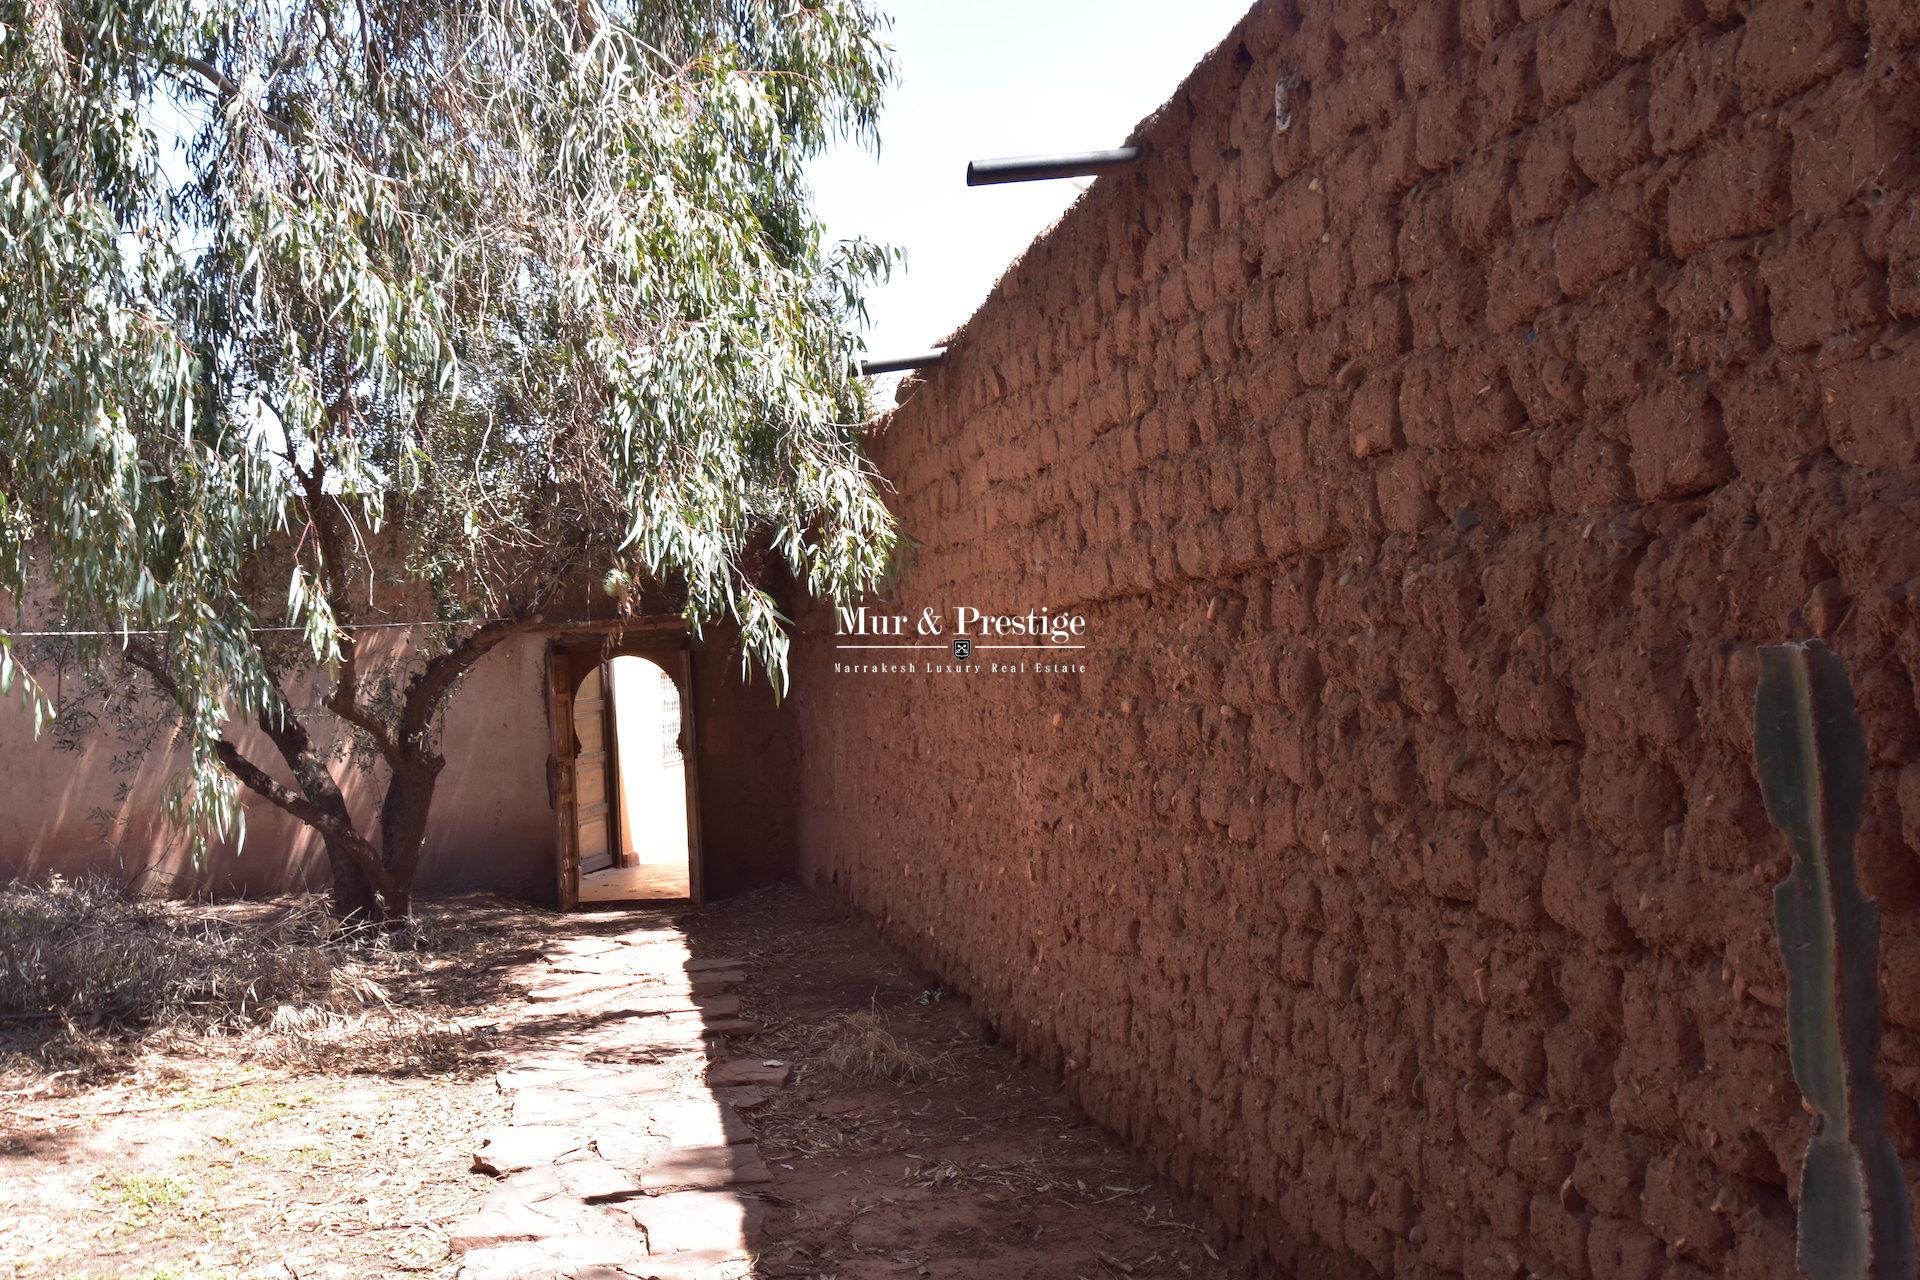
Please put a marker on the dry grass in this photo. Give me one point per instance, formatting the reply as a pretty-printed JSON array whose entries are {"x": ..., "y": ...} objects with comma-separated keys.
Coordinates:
[
  {"x": 384, "y": 1041},
  {"x": 860, "y": 1046},
  {"x": 84, "y": 949},
  {"x": 88, "y": 972},
  {"x": 1021, "y": 1178},
  {"x": 201, "y": 1090}
]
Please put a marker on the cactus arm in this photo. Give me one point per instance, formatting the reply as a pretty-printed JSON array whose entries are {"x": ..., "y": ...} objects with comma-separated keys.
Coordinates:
[{"x": 1856, "y": 1222}]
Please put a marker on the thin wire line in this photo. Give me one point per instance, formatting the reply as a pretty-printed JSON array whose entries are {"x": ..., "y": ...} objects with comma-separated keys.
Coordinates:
[
  {"x": 977, "y": 646},
  {"x": 167, "y": 631}
]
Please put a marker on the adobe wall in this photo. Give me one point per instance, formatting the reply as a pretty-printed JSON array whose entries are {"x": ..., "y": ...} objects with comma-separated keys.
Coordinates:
[
  {"x": 102, "y": 808},
  {"x": 748, "y": 770},
  {"x": 1428, "y": 471}
]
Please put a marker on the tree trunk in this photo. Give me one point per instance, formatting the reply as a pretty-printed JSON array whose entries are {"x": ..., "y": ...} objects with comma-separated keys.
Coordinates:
[
  {"x": 372, "y": 885},
  {"x": 353, "y": 898},
  {"x": 356, "y": 899},
  {"x": 403, "y": 827}
]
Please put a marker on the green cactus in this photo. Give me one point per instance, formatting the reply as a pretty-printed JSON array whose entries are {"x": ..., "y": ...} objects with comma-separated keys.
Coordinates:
[{"x": 1856, "y": 1222}]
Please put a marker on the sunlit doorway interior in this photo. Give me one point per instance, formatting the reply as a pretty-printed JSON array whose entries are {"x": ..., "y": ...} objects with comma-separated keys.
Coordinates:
[{"x": 630, "y": 783}]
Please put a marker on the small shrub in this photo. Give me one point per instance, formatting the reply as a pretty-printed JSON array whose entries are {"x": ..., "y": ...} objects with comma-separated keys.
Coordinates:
[
  {"x": 860, "y": 1046},
  {"x": 144, "y": 1193}
]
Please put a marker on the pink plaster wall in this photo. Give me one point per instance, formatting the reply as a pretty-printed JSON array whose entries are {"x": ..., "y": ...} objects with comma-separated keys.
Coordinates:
[
  {"x": 492, "y": 825},
  {"x": 492, "y": 822}
]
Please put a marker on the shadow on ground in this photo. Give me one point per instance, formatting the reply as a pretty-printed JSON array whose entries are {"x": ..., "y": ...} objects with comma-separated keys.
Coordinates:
[
  {"x": 940, "y": 1154},
  {"x": 889, "y": 1137}
]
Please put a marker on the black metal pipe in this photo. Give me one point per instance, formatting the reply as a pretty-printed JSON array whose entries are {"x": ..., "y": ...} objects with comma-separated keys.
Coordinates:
[
  {"x": 898, "y": 363},
  {"x": 982, "y": 173}
]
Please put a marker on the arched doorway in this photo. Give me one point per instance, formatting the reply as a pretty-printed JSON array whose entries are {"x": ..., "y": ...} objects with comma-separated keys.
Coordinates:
[{"x": 629, "y": 805}]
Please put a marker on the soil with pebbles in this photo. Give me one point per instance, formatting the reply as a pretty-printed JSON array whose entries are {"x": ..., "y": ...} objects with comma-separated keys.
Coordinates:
[{"x": 199, "y": 1158}]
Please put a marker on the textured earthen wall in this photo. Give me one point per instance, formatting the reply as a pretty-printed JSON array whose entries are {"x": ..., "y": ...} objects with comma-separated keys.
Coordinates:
[
  {"x": 1428, "y": 472},
  {"x": 747, "y": 770}
]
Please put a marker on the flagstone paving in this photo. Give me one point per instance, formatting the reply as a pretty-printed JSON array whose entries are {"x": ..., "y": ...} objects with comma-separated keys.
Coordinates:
[
  {"x": 625, "y": 1152},
  {"x": 592, "y": 1133}
]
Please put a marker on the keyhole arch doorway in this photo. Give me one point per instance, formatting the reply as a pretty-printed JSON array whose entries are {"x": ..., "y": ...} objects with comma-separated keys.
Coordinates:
[{"x": 632, "y": 831}]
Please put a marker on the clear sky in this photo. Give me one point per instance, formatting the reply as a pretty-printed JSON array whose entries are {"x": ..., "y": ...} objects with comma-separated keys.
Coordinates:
[{"x": 986, "y": 78}]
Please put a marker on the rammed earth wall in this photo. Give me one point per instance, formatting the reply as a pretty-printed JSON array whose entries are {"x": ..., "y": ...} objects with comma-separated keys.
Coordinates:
[{"x": 1427, "y": 471}]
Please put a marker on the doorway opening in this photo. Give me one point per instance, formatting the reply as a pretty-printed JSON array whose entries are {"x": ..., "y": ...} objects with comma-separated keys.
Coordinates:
[{"x": 627, "y": 827}]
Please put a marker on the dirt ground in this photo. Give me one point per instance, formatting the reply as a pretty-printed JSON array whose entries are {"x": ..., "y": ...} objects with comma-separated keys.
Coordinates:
[{"x": 195, "y": 1159}]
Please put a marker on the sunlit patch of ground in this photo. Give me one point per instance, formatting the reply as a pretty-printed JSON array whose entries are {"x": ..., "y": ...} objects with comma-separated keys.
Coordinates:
[{"x": 906, "y": 1144}]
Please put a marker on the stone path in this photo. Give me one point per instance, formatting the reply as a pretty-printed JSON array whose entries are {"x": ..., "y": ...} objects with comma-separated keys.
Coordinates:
[{"x": 626, "y": 1154}]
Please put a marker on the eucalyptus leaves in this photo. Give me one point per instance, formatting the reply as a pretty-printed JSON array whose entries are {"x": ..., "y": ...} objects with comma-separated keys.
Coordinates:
[{"x": 521, "y": 292}]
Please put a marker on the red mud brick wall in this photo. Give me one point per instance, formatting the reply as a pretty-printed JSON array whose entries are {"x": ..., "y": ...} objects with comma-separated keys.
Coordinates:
[
  {"x": 747, "y": 772},
  {"x": 1428, "y": 472}
]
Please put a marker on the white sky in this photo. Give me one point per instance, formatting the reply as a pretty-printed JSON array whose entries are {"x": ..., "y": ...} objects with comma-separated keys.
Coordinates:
[{"x": 986, "y": 78}]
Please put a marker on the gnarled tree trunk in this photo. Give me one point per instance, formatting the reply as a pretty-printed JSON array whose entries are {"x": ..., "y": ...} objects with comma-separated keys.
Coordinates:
[
  {"x": 351, "y": 896},
  {"x": 372, "y": 883}
]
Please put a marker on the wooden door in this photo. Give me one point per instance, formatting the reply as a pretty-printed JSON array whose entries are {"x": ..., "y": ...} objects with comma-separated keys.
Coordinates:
[
  {"x": 592, "y": 774},
  {"x": 566, "y": 862},
  {"x": 582, "y": 794}
]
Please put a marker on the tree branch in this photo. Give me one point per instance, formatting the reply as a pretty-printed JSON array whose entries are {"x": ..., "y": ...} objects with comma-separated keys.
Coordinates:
[
  {"x": 277, "y": 793},
  {"x": 293, "y": 744},
  {"x": 426, "y": 690},
  {"x": 228, "y": 92},
  {"x": 323, "y": 513}
]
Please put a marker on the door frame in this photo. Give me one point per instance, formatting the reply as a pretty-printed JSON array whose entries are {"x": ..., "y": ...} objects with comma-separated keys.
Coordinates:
[{"x": 568, "y": 658}]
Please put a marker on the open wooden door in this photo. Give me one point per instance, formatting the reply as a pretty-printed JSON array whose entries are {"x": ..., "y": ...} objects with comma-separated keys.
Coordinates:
[
  {"x": 593, "y": 773},
  {"x": 586, "y": 781},
  {"x": 560, "y": 778}
]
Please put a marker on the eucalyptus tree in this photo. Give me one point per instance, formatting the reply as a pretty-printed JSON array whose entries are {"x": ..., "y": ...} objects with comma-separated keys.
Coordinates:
[{"x": 463, "y": 301}]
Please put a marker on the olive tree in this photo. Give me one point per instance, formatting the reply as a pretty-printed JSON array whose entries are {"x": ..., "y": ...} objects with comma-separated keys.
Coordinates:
[{"x": 475, "y": 300}]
